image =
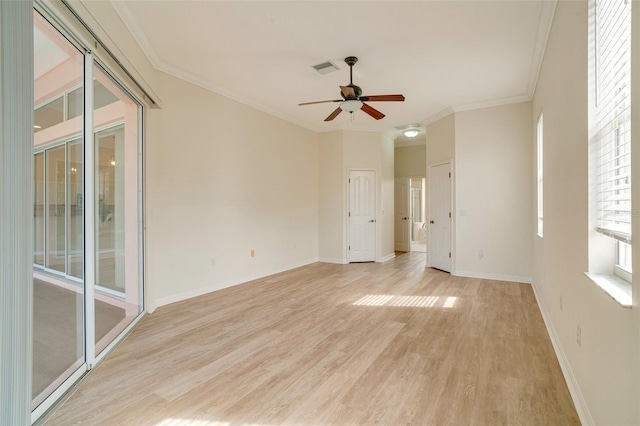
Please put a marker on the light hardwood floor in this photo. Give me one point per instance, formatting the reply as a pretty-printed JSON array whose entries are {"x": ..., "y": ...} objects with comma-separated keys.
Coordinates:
[{"x": 335, "y": 344}]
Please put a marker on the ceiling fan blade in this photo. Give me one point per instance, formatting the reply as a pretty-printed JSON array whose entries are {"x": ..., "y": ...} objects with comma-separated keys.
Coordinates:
[
  {"x": 372, "y": 111},
  {"x": 320, "y": 102},
  {"x": 334, "y": 114},
  {"x": 383, "y": 98},
  {"x": 348, "y": 92}
]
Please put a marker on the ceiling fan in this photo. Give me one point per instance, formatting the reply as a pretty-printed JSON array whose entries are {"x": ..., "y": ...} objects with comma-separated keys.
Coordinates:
[{"x": 352, "y": 99}]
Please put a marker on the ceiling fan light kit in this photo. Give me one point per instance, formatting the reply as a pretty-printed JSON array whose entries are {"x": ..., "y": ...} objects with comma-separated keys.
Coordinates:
[
  {"x": 353, "y": 100},
  {"x": 351, "y": 105}
]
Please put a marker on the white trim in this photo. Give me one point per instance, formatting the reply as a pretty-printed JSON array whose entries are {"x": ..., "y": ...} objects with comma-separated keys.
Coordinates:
[
  {"x": 574, "y": 389},
  {"x": 333, "y": 260},
  {"x": 121, "y": 336},
  {"x": 386, "y": 258},
  {"x": 615, "y": 287},
  {"x": 475, "y": 105},
  {"x": 437, "y": 116},
  {"x": 54, "y": 398},
  {"x": 230, "y": 283},
  {"x": 89, "y": 215},
  {"x": 489, "y": 276},
  {"x": 492, "y": 103},
  {"x": 542, "y": 37}
]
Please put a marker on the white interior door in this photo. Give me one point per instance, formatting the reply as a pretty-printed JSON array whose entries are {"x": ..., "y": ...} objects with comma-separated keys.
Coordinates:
[
  {"x": 362, "y": 216},
  {"x": 439, "y": 251},
  {"x": 402, "y": 214}
]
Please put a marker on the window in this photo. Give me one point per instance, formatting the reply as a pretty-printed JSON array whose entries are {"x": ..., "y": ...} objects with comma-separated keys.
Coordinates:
[
  {"x": 540, "y": 170},
  {"x": 610, "y": 138},
  {"x": 49, "y": 115}
]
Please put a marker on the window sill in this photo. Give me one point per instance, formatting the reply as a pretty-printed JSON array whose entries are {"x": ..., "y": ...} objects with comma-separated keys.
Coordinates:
[{"x": 617, "y": 288}]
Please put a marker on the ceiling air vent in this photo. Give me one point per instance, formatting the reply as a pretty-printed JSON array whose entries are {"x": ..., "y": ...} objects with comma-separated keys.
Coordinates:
[{"x": 326, "y": 67}]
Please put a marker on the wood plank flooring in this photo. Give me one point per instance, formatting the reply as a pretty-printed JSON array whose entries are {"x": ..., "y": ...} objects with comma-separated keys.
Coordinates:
[{"x": 360, "y": 344}]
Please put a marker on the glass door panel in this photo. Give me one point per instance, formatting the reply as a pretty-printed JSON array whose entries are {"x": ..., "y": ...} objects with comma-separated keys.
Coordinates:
[
  {"x": 58, "y": 308},
  {"x": 118, "y": 295},
  {"x": 75, "y": 199},
  {"x": 38, "y": 210},
  {"x": 55, "y": 212}
]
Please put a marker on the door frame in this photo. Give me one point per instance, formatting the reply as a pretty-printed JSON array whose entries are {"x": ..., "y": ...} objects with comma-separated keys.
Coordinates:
[
  {"x": 348, "y": 208},
  {"x": 424, "y": 206},
  {"x": 430, "y": 167},
  {"x": 409, "y": 226}
]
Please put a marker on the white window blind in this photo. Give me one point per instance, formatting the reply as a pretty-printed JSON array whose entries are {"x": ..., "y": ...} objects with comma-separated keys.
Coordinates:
[{"x": 613, "y": 127}]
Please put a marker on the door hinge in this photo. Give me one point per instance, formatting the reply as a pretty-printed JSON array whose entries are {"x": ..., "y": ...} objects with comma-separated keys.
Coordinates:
[
  {"x": 449, "y": 255},
  {"x": 349, "y": 180},
  {"x": 449, "y": 174},
  {"x": 349, "y": 247},
  {"x": 449, "y": 215},
  {"x": 349, "y": 214}
]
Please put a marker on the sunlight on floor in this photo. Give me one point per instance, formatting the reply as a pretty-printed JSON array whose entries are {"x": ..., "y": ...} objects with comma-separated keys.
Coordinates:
[{"x": 409, "y": 301}]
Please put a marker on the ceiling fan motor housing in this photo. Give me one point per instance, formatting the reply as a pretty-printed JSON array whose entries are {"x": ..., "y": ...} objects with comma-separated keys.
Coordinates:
[{"x": 357, "y": 90}]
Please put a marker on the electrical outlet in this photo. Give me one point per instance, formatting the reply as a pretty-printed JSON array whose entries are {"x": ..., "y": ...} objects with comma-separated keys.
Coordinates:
[
  {"x": 480, "y": 254},
  {"x": 579, "y": 335},
  {"x": 213, "y": 261},
  {"x": 253, "y": 253}
]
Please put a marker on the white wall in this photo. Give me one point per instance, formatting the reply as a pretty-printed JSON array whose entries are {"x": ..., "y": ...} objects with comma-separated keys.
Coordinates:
[
  {"x": 603, "y": 373},
  {"x": 441, "y": 139},
  {"x": 410, "y": 161},
  {"x": 338, "y": 152},
  {"x": 493, "y": 160},
  {"x": 224, "y": 179},
  {"x": 332, "y": 193},
  {"x": 371, "y": 150}
]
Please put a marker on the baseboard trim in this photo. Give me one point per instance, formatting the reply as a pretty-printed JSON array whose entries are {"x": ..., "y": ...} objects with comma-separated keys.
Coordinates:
[
  {"x": 333, "y": 260},
  {"x": 498, "y": 277},
  {"x": 574, "y": 389},
  {"x": 385, "y": 258},
  {"x": 208, "y": 289}
]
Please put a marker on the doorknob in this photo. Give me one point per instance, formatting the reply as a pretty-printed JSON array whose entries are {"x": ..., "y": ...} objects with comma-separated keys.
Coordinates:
[
  {"x": 431, "y": 221},
  {"x": 372, "y": 220}
]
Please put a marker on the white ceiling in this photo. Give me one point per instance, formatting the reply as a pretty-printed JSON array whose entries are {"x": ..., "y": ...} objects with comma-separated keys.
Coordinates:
[{"x": 439, "y": 54}]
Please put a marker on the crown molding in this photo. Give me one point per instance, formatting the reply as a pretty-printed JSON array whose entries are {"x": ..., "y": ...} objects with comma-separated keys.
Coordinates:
[
  {"x": 544, "y": 28},
  {"x": 492, "y": 103},
  {"x": 127, "y": 18},
  {"x": 545, "y": 24},
  {"x": 437, "y": 116}
]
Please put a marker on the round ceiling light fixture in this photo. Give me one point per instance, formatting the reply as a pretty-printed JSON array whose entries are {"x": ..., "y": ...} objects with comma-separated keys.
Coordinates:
[
  {"x": 411, "y": 133},
  {"x": 351, "y": 105}
]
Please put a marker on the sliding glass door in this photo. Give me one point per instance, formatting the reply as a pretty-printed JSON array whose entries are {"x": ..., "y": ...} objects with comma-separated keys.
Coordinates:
[
  {"x": 87, "y": 279},
  {"x": 58, "y": 286}
]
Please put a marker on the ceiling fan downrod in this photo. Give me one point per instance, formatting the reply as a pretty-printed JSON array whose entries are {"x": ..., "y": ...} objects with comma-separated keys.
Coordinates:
[{"x": 351, "y": 61}]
